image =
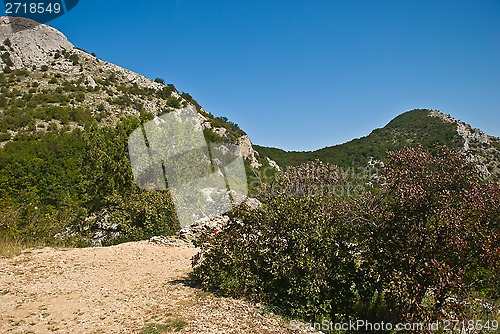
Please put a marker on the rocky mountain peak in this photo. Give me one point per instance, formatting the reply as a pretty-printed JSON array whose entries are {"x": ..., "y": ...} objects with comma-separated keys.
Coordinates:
[
  {"x": 39, "y": 60},
  {"x": 29, "y": 43}
]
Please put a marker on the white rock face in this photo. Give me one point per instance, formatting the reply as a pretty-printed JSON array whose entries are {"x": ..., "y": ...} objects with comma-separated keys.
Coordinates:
[
  {"x": 468, "y": 133},
  {"x": 33, "y": 45},
  {"x": 248, "y": 152},
  {"x": 477, "y": 144},
  {"x": 273, "y": 164}
]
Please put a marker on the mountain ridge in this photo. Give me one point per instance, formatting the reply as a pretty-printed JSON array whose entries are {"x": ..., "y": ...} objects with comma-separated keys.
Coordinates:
[
  {"x": 66, "y": 117},
  {"x": 418, "y": 126},
  {"x": 106, "y": 90},
  {"x": 113, "y": 91}
]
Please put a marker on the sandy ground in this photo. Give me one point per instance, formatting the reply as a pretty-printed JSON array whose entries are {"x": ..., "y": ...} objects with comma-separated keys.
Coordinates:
[{"x": 120, "y": 289}]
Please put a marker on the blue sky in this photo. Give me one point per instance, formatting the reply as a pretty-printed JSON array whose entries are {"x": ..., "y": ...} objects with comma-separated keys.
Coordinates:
[{"x": 302, "y": 75}]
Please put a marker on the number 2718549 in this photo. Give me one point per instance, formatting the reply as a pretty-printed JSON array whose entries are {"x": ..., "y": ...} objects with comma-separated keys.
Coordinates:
[{"x": 32, "y": 8}]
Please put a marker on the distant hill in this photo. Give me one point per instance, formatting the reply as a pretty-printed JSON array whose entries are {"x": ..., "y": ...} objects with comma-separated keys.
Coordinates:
[{"x": 420, "y": 126}]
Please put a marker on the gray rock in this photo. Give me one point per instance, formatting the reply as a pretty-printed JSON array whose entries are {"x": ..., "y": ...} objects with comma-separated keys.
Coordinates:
[{"x": 204, "y": 225}]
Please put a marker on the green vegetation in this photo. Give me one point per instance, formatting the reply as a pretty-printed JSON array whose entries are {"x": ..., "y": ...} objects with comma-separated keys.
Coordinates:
[
  {"x": 408, "y": 129},
  {"x": 55, "y": 181},
  {"x": 6, "y": 59},
  {"x": 64, "y": 178},
  {"x": 417, "y": 249},
  {"x": 416, "y": 242},
  {"x": 171, "y": 326}
]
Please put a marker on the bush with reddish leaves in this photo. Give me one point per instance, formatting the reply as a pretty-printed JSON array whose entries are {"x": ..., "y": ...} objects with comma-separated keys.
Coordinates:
[{"x": 420, "y": 247}]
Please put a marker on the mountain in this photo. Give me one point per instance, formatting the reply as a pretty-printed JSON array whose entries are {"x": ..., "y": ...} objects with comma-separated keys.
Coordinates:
[
  {"x": 47, "y": 82},
  {"x": 411, "y": 128},
  {"x": 66, "y": 117},
  {"x": 65, "y": 120}
]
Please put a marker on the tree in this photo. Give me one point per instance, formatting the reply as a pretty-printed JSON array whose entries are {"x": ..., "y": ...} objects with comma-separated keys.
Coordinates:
[
  {"x": 160, "y": 80},
  {"x": 434, "y": 232}
]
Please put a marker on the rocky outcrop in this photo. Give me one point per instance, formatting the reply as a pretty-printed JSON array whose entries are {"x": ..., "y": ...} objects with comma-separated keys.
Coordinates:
[
  {"x": 202, "y": 226},
  {"x": 36, "y": 44},
  {"x": 32, "y": 46},
  {"x": 212, "y": 225},
  {"x": 481, "y": 149},
  {"x": 248, "y": 152}
]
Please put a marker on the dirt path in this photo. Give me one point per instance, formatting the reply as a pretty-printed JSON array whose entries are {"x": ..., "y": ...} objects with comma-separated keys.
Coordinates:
[{"x": 136, "y": 287}]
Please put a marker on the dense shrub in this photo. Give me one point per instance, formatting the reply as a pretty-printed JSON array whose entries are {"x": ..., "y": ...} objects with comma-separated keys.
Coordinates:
[
  {"x": 433, "y": 239},
  {"x": 6, "y": 59},
  {"x": 54, "y": 180},
  {"x": 137, "y": 216},
  {"x": 417, "y": 249},
  {"x": 292, "y": 253},
  {"x": 295, "y": 252}
]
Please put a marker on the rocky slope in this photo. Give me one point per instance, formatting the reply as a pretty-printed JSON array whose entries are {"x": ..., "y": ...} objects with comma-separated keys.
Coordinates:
[
  {"x": 411, "y": 128},
  {"x": 481, "y": 148},
  {"x": 39, "y": 59}
]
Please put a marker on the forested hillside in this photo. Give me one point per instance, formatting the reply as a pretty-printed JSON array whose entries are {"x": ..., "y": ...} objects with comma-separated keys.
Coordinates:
[
  {"x": 412, "y": 128},
  {"x": 65, "y": 120}
]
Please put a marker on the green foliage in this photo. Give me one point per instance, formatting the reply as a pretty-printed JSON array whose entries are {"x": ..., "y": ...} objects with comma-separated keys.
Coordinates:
[
  {"x": 123, "y": 101},
  {"x": 6, "y": 59},
  {"x": 191, "y": 100},
  {"x": 160, "y": 80},
  {"x": 173, "y": 102},
  {"x": 409, "y": 251},
  {"x": 137, "y": 216},
  {"x": 44, "y": 68},
  {"x": 170, "y": 325},
  {"x": 408, "y": 129},
  {"x": 107, "y": 164},
  {"x": 294, "y": 252},
  {"x": 211, "y": 136},
  {"x": 3, "y": 101},
  {"x": 4, "y": 136},
  {"x": 223, "y": 122},
  {"x": 52, "y": 183},
  {"x": 166, "y": 91}
]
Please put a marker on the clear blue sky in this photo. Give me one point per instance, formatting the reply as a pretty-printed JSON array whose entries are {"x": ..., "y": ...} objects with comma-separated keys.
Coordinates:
[{"x": 302, "y": 75}]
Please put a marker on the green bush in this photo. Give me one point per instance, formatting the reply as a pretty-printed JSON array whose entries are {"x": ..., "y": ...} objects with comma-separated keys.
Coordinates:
[
  {"x": 414, "y": 250},
  {"x": 74, "y": 58},
  {"x": 160, "y": 80},
  {"x": 6, "y": 59},
  {"x": 138, "y": 216},
  {"x": 295, "y": 253},
  {"x": 4, "y": 136}
]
